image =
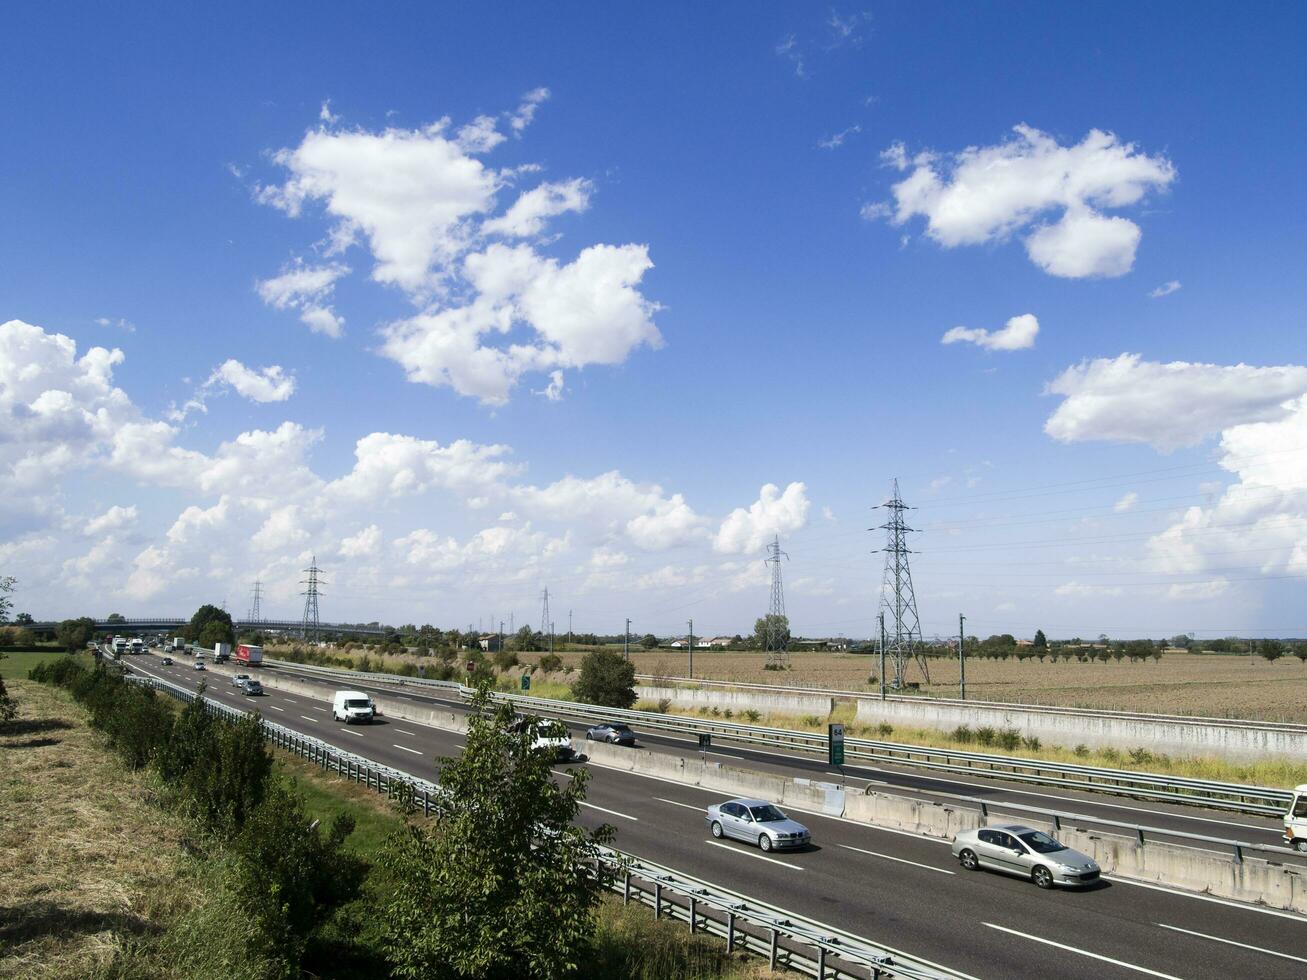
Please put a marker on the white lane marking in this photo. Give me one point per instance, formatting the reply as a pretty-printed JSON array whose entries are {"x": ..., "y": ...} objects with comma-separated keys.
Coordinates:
[
  {"x": 314, "y": 707},
  {"x": 275, "y": 708},
  {"x": 405, "y": 748},
  {"x": 891, "y": 857},
  {"x": 866, "y": 779},
  {"x": 289, "y": 700},
  {"x": 403, "y": 732},
  {"x": 1206, "y": 898},
  {"x": 624, "y": 816},
  {"x": 727, "y": 755},
  {"x": 1082, "y": 952},
  {"x": 688, "y": 806},
  {"x": 1218, "y": 939},
  {"x": 352, "y": 732},
  {"x": 307, "y": 718},
  {"x": 760, "y": 857}
]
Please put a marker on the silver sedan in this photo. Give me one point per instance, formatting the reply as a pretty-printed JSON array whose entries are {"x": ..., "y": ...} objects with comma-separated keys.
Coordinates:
[
  {"x": 756, "y": 822},
  {"x": 1027, "y": 853}
]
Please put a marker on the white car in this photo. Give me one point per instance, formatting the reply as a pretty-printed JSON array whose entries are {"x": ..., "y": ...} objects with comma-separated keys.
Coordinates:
[
  {"x": 240, "y": 679},
  {"x": 199, "y": 665}
]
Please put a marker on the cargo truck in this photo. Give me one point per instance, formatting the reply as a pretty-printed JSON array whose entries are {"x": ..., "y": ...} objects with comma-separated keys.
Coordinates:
[
  {"x": 248, "y": 653},
  {"x": 1295, "y": 821},
  {"x": 138, "y": 645},
  {"x": 119, "y": 645},
  {"x": 178, "y": 643},
  {"x": 221, "y": 653}
]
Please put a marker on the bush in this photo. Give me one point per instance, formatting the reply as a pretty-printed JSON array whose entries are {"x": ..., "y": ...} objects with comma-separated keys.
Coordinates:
[
  {"x": 607, "y": 679},
  {"x": 664, "y": 705},
  {"x": 884, "y": 729},
  {"x": 1141, "y": 756},
  {"x": 964, "y": 734},
  {"x": 1009, "y": 739},
  {"x": 505, "y": 659},
  {"x": 752, "y": 715},
  {"x": 1081, "y": 750},
  {"x": 986, "y": 735},
  {"x": 1032, "y": 743},
  {"x": 551, "y": 662},
  {"x": 728, "y": 713}
]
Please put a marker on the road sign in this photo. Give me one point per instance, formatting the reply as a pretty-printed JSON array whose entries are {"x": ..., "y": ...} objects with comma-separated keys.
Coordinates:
[
  {"x": 705, "y": 742},
  {"x": 526, "y": 682},
  {"x": 835, "y": 745}
]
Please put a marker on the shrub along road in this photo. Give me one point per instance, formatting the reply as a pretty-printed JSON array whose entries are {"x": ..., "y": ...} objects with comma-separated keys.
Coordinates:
[{"x": 896, "y": 889}]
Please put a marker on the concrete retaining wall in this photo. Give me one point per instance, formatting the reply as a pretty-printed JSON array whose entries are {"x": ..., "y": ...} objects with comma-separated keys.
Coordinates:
[
  {"x": 1175, "y": 738},
  {"x": 1255, "y": 880},
  {"x": 688, "y": 697}
]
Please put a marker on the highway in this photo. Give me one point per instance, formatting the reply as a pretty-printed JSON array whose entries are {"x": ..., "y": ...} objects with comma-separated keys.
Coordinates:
[
  {"x": 921, "y": 783},
  {"x": 895, "y": 889}
]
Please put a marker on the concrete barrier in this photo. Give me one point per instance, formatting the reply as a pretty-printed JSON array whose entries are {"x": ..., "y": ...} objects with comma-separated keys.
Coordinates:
[
  {"x": 1185, "y": 738},
  {"x": 689, "y": 697}
]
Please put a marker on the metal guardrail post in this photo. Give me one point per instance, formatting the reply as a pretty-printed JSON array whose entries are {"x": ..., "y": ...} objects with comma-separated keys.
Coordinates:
[
  {"x": 1238, "y": 854},
  {"x": 658, "y": 900},
  {"x": 821, "y": 963},
  {"x": 730, "y": 933},
  {"x": 694, "y": 915},
  {"x": 1139, "y": 835},
  {"x": 626, "y": 889},
  {"x": 771, "y": 957}
]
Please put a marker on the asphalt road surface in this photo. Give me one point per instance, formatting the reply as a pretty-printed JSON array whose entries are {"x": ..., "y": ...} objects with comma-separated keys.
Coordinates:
[{"x": 892, "y": 888}]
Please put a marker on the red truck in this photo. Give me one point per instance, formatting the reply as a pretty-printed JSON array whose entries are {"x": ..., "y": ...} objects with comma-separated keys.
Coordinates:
[{"x": 248, "y": 654}]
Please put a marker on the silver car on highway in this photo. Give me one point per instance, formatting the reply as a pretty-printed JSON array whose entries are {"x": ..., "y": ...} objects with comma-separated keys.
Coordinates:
[
  {"x": 756, "y": 822},
  {"x": 1027, "y": 853}
]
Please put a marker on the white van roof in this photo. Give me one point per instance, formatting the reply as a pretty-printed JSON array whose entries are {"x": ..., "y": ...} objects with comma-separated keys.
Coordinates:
[{"x": 351, "y": 694}]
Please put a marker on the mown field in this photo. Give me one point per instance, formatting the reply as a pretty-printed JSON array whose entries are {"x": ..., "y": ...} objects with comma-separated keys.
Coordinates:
[{"x": 1213, "y": 685}]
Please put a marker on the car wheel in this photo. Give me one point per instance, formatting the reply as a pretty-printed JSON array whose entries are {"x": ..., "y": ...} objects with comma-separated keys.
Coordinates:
[
  {"x": 969, "y": 860},
  {"x": 764, "y": 842},
  {"x": 589, "y": 737},
  {"x": 1043, "y": 877},
  {"x": 1300, "y": 844},
  {"x": 716, "y": 829}
]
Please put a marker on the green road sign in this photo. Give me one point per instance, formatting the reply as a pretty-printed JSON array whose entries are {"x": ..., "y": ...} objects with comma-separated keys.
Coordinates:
[
  {"x": 526, "y": 682},
  {"x": 835, "y": 745}
]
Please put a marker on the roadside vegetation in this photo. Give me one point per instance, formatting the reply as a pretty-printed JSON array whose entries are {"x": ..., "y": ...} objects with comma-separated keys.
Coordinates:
[{"x": 151, "y": 840}]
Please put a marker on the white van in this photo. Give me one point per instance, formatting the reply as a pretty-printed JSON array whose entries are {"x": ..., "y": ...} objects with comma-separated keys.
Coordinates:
[
  {"x": 1295, "y": 821},
  {"x": 348, "y": 706}
]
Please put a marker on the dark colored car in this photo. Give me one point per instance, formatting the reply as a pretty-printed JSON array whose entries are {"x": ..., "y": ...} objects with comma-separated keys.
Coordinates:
[
  {"x": 614, "y": 733},
  {"x": 167, "y": 661},
  {"x": 251, "y": 686}
]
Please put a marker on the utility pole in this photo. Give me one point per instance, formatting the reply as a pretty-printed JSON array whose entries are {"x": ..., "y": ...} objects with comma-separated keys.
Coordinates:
[
  {"x": 626, "y": 640},
  {"x": 551, "y": 637},
  {"x": 962, "y": 653},
  {"x": 692, "y": 648},
  {"x": 501, "y": 637},
  {"x": 880, "y": 620},
  {"x": 778, "y": 627},
  {"x": 309, "y": 624},
  {"x": 896, "y": 594},
  {"x": 569, "y": 626}
]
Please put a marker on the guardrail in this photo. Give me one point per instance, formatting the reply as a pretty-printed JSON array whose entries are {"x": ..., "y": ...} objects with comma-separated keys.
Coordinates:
[
  {"x": 787, "y": 940},
  {"x": 1232, "y": 797},
  {"x": 1053, "y": 709}
]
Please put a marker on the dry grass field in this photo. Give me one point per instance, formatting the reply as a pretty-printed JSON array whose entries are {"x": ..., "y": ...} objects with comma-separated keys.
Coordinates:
[{"x": 1180, "y": 683}]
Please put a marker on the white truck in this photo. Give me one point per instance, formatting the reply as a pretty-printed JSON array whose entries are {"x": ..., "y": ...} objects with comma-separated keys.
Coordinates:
[
  {"x": 138, "y": 645},
  {"x": 1295, "y": 821},
  {"x": 119, "y": 645},
  {"x": 178, "y": 643},
  {"x": 350, "y": 706},
  {"x": 221, "y": 653}
]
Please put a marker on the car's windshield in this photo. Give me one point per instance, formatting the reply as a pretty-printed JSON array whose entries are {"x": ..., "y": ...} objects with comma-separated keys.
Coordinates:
[
  {"x": 1041, "y": 843},
  {"x": 1300, "y": 806},
  {"x": 619, "y": 728},
  {"x": 357, "y": 703},
  {"x": 766, "y": 814}
]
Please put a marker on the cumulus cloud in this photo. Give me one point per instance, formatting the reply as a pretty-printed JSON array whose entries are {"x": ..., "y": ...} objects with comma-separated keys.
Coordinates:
[
  {"x": 365, "y": 543},
  {"x": 1166, "y": 289},
  {"x": 987, "y": 194},
  {"x": 749, "y": 530},
  {"x": 113, "y": 519},
  {"x": 426, "y": 207},
  {"x": 1168, "y": 406},
  {"x": 269, "y": 384},
  {"x": 1017, "y": 334},
  {"x": 307, "y": 289}
]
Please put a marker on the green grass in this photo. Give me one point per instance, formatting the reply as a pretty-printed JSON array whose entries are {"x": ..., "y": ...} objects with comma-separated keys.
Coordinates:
[
  {"x": 326, "y": 794},
  {"x": 18, "y": 664}
]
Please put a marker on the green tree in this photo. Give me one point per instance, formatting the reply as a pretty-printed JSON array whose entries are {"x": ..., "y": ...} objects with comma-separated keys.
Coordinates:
[
  {"x": 781, "y": 624},
  {"x": 1271, "y": 650},
  {"x": 24, "y": 619},
  {"x": 1300, "y": 651},
  {"x": 501, "y": 884},
  {"x": 7, "y": 585},
  {"x": 200, "y": 622},
  {"x": 1041, "y": 641},
  {"x": 607, "y": 678},
  {"x": 649, "y": 641},
  {"x": 116, "y": 618},
  {"x": 524, "y": 640},
  {"x": 74, "y": 634}
]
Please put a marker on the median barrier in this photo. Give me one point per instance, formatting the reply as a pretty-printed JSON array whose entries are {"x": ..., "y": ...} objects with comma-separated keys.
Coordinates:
[{"x": 689, "y": 697}]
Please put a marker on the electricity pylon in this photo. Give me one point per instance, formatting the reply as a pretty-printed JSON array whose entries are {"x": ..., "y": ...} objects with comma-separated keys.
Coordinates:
[
  {"x": 897, "y": 599},
  {"x": 309, "y": 626},
  {"x": 778, "y": 631}
]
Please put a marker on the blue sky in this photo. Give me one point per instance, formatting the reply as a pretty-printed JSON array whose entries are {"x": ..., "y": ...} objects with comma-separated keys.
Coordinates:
[{"x": 738, "y": 276}]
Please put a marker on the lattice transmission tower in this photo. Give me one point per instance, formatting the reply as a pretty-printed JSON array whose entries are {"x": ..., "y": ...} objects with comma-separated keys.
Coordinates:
[
  {"x": 546, "y": 624},
  {"x": 778, "y": 627},
  {"x": 256, "y": 602},
  {"x": 309, "y": 626},
  {"x": 898, "y": 603}
]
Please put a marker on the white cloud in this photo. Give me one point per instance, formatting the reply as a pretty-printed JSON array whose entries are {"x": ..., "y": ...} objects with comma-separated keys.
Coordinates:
[
  {"x": 1168, "y": 406},
  {"x": 789, "y": 49},
  {"x": 1166, "y": 289},
  {"x": 125, "y": 325},
  {"x": 526, "y": 111},
  {"x": 827, "y": 513},
  {"x": 364, "y": 544},
  {"x": 1081, "y": 590},
  {"x": 1017, "y": 334},
  {"x": 1199, "y": 590},
  {"x": 326, "y": 115},
  {"x": 113, "y": 519},
  {"x": 554, "y": 390},
  {"x": 836, "y": 140},
  {"x": 270, "y": 384},
  {"x": 527, "y": 215},
  {"x": 989, "y": 193},
  {"x": 1126, "y": 503},
  {"x": 308, "y": 289},
  {"x": 586, "y": 312},
  {"x": 389, "y": 465},
  {"x": 745, "y": 531}
]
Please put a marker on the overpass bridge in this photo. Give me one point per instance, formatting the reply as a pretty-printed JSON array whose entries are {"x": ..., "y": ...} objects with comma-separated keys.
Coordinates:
[{"x": 167, "y": 624}]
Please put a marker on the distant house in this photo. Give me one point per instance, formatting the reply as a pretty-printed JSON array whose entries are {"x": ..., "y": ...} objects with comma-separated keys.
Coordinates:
[
  {"x": 837, "y": 643},
  {"x": 681, "y": 642},
  {"x": 1025, "y": 643},
  {"x": 489, "y": 642},
  {"x": 720, "y": 642}
]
